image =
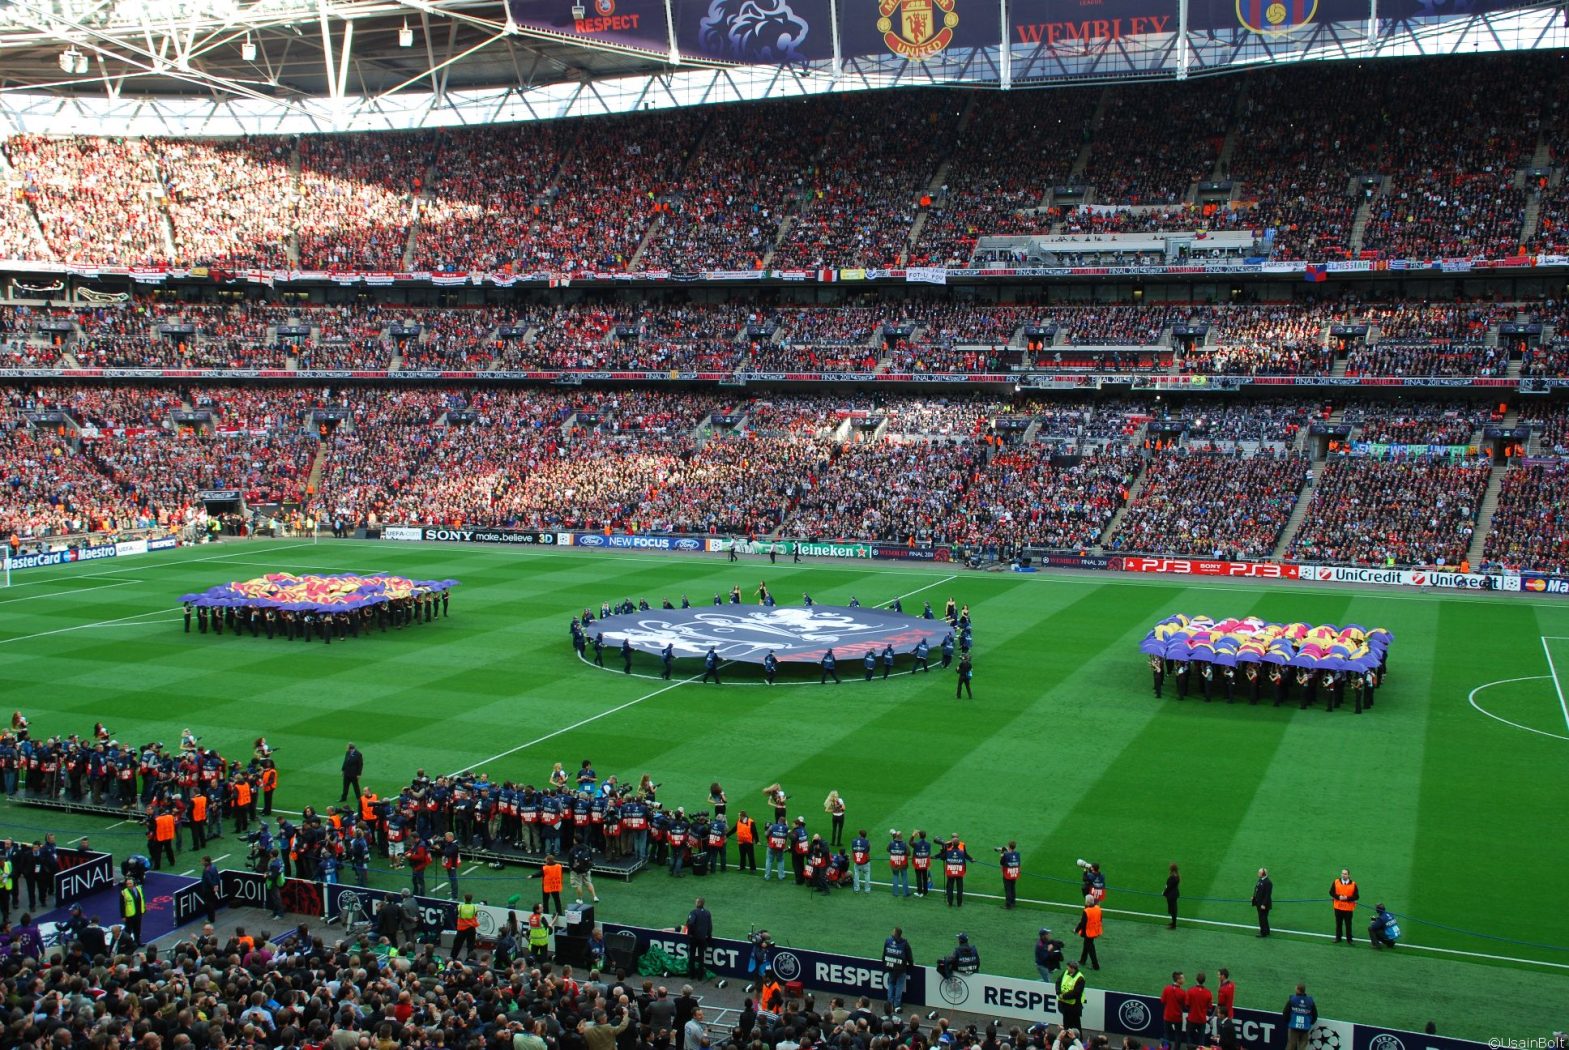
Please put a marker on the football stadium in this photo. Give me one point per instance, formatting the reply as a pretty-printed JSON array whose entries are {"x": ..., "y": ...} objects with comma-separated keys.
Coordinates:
[{"x": 899, "y": 525}]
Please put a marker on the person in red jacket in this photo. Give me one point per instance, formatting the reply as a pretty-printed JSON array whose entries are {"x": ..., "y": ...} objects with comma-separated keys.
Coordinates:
[
  {"x": 1200, "y": 1002},
  {"x": 1173, "y": 1003},
  {"x": 419, "y": 860},
  {"x": 1226, "y": 997}
]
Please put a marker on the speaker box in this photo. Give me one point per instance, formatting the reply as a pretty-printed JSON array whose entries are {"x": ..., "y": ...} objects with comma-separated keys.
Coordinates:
[
  {"x": 572, "y": 951},
  {"x": 580, "y": 920}
]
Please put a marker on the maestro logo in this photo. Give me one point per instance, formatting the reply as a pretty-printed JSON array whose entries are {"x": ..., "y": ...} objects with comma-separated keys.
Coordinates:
[
  {"x": 1134, "y": 1015},
  {"x": 786, "y": 966}
]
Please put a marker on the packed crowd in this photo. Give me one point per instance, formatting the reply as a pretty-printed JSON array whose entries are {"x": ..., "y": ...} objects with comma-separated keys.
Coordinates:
[
  {"x": 96, "y": 199},
  {"x": 1133, "y": 161},
  {"x": 231, "y": 202},
  {"x": 1451, "y": 215},
  {"x": 736, "y": 191},
  {"x": 835, "y": 181},
  {"x": 164, "y": 470},
  {"x": 1427, "y": 359},
  {"x": 1551, "y": 423},
  {"x": 488, "y": 196},
  {"x": 1036, "y": 496},
  {"x": 357, "y": 196},
  {"x": 1416, "y": 511},
  {"x": 1530, "y": 529},
  {"x": 1206, "y": 424},
  {"x": 1550, "y": 360},
  {"x": 1230, "y": 507},
  {"x": 987, "y": 191},
  {"x": 1552, "y": 221},
  {"x": 1416, "y": 423},
  {"x": 1211, "y": 216},
  {"x": 50, "y": 490},
  {"x": 860, "y": 195},
  {"x": 1275, "y": 339},
  {"x": 1116, "y": 325}
]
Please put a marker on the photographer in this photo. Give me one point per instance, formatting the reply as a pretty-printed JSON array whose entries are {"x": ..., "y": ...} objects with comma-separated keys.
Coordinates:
[
  {"x": 963, "y": 959},
  {"x": 762, "y": 950},
  {"x": 898, "y": 959},
  {"x": 1008, "y": 861}
]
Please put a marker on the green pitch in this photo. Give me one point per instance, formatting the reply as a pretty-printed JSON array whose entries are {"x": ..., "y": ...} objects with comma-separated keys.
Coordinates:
[{"x": 1451, "y": 816}]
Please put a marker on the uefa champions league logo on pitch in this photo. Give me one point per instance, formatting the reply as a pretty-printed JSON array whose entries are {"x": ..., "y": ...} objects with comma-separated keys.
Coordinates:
[{"x": 791, "y": 633}]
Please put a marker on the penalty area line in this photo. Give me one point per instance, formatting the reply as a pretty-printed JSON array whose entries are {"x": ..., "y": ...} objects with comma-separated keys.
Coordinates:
[
  {"x": 1500, "y": 718},
  {"x": 68, "y": 594},
  {"x": 1563, "y": 704},
  {"x": 99, "y": 623}
]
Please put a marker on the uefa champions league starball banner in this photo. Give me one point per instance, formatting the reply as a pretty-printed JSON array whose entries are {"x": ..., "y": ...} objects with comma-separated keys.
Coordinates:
[{"x": 748, "y": 633}]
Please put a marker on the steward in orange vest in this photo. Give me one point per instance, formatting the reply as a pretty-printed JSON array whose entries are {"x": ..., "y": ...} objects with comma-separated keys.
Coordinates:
[
  {"x": 1343, "y": 894},
  {"x": 1089, "y": 928},
  {"x": 269, "y": 784}
]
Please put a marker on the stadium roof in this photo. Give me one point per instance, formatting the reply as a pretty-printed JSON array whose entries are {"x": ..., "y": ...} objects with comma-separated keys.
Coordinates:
[{"x": 224, "y": 67}]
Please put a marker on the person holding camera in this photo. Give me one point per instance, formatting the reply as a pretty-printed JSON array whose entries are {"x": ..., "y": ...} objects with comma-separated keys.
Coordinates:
[
  {"x": 955, "y": 862},
  {"x": 861, "y": 861},
  {"x": 898, "y": 959},
  {"x": 1008, "y": 861},
  {"x": 898, "y": 864},
  {"x": 963, "y": 959}
]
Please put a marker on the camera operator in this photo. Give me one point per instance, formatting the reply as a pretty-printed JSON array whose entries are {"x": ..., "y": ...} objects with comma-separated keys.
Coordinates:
[
  {"x": 762, "y": 949},
  {"x": 1008, "y": 861},
  {"x": 963, "y": 959},
  {"x": 898, "y": 959}
]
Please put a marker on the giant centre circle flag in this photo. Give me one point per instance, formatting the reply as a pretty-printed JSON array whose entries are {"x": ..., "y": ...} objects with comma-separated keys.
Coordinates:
[{"x": 747, "y": 633}]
